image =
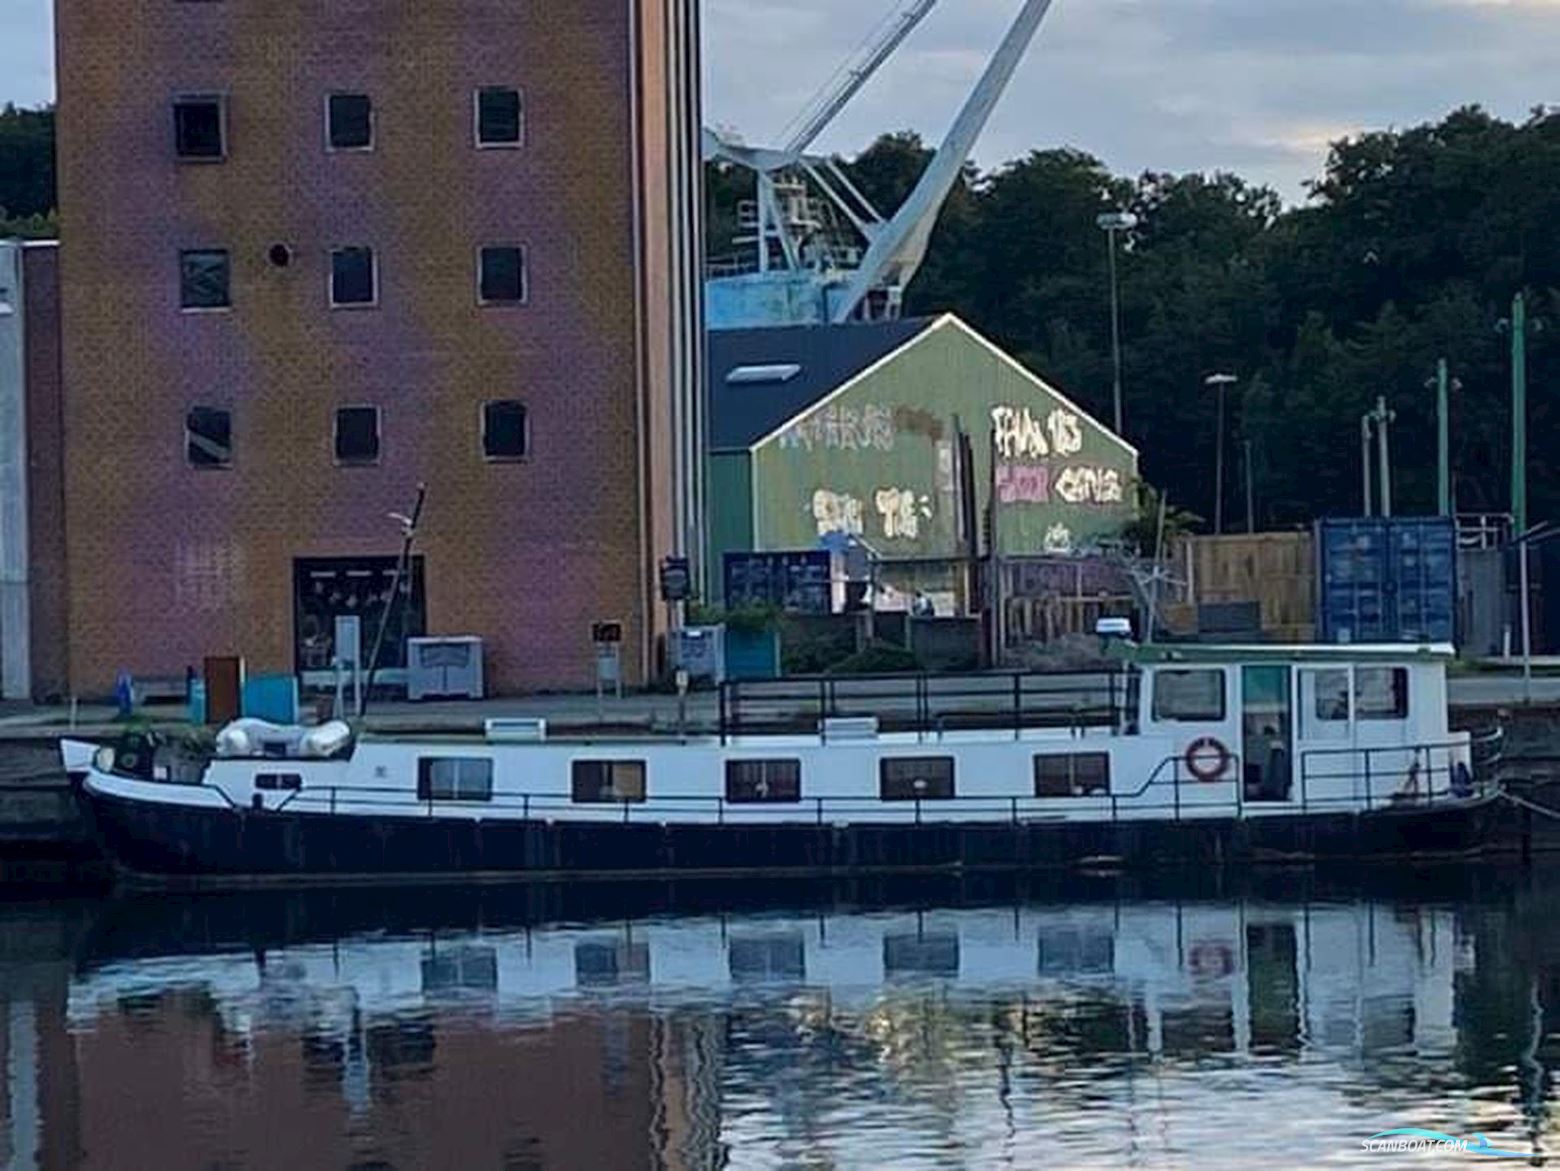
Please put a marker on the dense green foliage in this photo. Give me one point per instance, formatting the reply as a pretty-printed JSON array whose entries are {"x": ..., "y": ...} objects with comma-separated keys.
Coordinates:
[
  {"x": 26, "y": 172},
  {"x": 1410, "y": 247}
]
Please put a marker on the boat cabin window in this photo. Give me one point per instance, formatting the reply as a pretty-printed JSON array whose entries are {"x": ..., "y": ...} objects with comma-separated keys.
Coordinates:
[
  {"x": 454, "y": 778},
  {"x": 1332, "y": 694},
  {"x": 272, "y": 782},
  {"x": 1189, "y": 697},
  {"x": 608, "y": 782},
  {"x": 916, "y": 778},
  {"x": 1381, "y": 693},
  {"x": 759, "y": 782},
  {"x": 1084, "y": 774}
]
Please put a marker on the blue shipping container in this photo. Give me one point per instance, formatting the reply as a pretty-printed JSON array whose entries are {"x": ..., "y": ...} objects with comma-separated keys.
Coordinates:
[{"x": 1387, "y": 579}]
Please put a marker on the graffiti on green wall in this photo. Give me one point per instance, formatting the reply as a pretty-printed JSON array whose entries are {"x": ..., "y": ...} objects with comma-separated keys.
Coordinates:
[{"x": 879, "y": 461}]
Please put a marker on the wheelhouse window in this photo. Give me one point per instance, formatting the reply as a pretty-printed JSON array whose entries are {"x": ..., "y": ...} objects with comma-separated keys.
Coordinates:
[
  {"x": 1189, "y": 697},
  {"x": 349, "y": 120},
  {"x": 1381, "y": 693},
  {"x": 1085, "y": 774},
  {"x": 454, "y": 778},
  {"x": 501, "y": 275},
  {"x": 200, "y": 128},
  {"x": 1332, "y": 695},
  {"x": 916, "y": 778},
  {"x": 505, "y": 431},
  {"x": 500, "y": 117},
  {"x": 608, "y": 782},
  {"x": 763, "y": 782},
  {"x": 357, "y": 435},
  {"x": 205, "y": 279},
  {"x": 208, "y": 437},
  {"x": 354, "y": 277}
]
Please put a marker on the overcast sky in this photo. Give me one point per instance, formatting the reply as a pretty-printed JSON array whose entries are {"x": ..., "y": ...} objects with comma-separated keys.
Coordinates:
[{"x": 1256, "y": 86}]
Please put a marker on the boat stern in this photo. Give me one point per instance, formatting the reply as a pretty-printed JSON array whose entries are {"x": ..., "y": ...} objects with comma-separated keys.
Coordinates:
[{"x": 76, "y": 757}]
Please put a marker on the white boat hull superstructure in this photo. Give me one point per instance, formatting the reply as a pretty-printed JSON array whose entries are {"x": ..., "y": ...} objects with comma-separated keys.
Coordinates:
[{"x": 1193, "y": 756}]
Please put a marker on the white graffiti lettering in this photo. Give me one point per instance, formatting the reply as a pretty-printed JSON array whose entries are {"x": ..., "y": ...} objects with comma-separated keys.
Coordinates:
[
  {"x": 1066, "y": 432},
  {"x": 1058, "y": 539},
  {"x": 1084, "y": 485},
  {"x": 902, "y": 512},
  {"x": 835, "y": 512},
  {"x": 842, "y": 428},
  {"x": 1019, "y": 434}
]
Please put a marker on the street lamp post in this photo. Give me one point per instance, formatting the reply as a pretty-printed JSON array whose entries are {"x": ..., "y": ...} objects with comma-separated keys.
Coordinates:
[
  {"x": 1111, "y": 223},
  {"x": 1251, "y": 493},
  {"x": 1444, "y": 385},
  {"x": 1519, "y": 501},
  {"x": 1219, "y": 382}
]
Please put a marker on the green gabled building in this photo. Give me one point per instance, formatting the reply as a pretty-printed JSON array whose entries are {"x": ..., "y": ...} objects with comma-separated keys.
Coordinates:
[{"x": 854, "y": 429}]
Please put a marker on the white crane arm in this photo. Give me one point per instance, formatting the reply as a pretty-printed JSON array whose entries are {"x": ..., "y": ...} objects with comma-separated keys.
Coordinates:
[
  {"x": 826, "y": 106},
  {"x": 899, "y": 248}
]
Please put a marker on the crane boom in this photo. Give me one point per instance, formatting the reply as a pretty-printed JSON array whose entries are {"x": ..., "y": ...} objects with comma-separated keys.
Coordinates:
[
  {"x": 827, "y": 105},
  {"x": 900, "y": 246}
]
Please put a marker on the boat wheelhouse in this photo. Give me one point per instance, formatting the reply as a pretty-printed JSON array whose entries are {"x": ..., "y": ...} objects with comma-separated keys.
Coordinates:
[{"x": 1181, "y": 753}]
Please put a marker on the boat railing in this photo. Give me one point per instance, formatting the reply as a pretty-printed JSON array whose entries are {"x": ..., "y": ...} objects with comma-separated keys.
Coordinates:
[
  {"x": 933, "y": 705},
  {"x": 1401, "y": 774},
  {"x": 1169, "y": 791}
]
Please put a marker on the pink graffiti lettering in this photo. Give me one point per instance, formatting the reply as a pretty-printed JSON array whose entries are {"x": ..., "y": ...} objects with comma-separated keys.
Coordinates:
[{"x": 1023, "y": 483}]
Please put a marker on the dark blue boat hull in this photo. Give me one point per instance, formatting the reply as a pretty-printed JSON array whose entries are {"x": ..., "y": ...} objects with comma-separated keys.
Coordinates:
[{"x": 185, "y": 845}]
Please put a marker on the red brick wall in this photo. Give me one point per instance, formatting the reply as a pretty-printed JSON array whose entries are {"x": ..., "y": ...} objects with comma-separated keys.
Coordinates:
[
  {"x": 169, "y": 563},
  {"x": 45, "y": 470}
]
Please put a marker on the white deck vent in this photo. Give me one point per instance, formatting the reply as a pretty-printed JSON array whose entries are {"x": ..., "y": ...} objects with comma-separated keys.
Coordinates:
[
  {"x": 516, "y": 731},
  {"x": 773, "y": 374},
  {"x": 848, "y": 728}
]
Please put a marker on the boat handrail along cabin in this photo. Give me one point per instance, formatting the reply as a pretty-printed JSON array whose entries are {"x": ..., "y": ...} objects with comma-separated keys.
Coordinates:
[{"x": 1181, "y": 734}]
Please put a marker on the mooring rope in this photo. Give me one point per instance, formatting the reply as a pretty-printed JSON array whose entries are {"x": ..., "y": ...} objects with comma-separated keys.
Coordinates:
[{"x": 1546, "y": 810}]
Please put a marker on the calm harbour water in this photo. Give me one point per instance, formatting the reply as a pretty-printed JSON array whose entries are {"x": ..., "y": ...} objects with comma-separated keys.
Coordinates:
[{"x": 942, "y": 1026}]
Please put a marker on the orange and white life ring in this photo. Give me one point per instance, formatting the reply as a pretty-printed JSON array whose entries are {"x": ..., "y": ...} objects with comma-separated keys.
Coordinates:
[{"x": 1207, "y": 759}]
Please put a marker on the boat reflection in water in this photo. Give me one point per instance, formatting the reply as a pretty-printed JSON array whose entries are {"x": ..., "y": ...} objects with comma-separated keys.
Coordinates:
[{"x": 1089, "y": 1032}]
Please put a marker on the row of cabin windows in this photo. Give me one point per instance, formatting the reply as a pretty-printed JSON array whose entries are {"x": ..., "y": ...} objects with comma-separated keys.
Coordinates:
[
  {"x": 762, "y": 782},
  {"x": 200, "y": 123},
  {"x": 1197, "y": 696},
  {"x": 208, "y": 434},
  {"x": 206, "y": 277}
]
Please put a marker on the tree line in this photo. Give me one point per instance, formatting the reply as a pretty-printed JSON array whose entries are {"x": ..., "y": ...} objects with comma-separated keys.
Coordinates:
[{"x": 1409, "y": 248}]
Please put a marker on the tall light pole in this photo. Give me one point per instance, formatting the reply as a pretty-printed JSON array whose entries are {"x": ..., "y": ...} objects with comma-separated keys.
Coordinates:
[
  {"x": 1444, "y": 384},
  {"x": 1376, "y": 424},
  {"x": 1111, "y": 223},
  {"x": 1219, "y": 382},
  {"x": 1251, "y": 493},
  {"x": 1519, "y": 501}
]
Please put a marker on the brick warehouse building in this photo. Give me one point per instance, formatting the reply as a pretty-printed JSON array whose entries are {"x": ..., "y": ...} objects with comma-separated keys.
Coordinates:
[{"x": 319, "y": 253}]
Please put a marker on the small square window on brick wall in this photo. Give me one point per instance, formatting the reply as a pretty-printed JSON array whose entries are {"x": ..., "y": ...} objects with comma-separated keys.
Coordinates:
[
  {"x": 205, "y": 279},
  {"x": 200, "y": 128},
  {"x": 505, "y": 430},
  {"x": 208, "y": 437},
  {"x": 354, "y": 277},
  {"x": 349, "y": 122},
  {"x": 501, "y": 276},
  {"x": 357, "y": 435},
  {"x": 500, "y": 115}
]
